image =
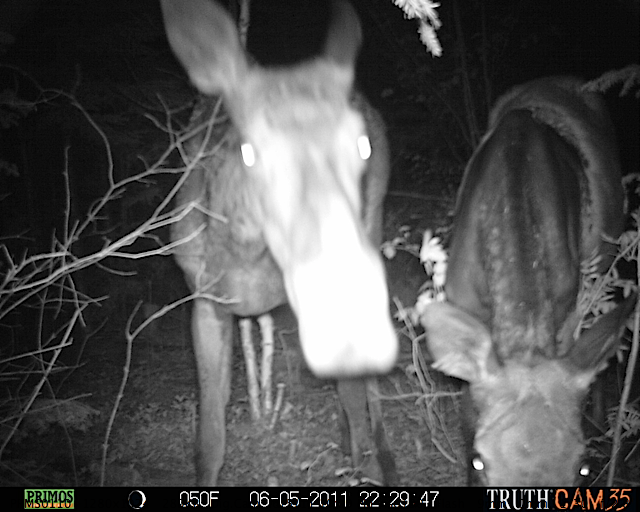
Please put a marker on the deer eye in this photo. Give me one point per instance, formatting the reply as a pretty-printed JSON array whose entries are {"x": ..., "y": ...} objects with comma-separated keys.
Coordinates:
[
  {"x": 364, "y": 147},
  {"x": 248, "y": 154},
  {"x": 477, "y": 463}
]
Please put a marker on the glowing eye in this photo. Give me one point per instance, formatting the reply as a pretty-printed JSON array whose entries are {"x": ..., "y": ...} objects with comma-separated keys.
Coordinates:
[
  {"x": 248, "y": 154},
  {"x": 585, "y": 470},
  {"x": 364, "y": 147},
  {"x": 477, "y": 464}
]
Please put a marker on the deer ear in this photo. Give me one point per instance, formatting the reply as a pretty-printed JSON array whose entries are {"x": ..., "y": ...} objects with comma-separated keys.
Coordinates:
[
  {"x": 459, "y": 343},
  {"x": 205, "y": 40},
  {"x": 595, "y": 346},
  {"x": 344, "y": 38}
]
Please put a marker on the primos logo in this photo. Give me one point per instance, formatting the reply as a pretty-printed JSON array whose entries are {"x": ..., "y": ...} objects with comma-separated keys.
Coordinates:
[{"x": 48, "y": 498}]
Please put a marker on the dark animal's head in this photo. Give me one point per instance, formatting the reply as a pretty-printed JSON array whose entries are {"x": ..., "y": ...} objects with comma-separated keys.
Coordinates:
[{"x": 528, "y": 408}]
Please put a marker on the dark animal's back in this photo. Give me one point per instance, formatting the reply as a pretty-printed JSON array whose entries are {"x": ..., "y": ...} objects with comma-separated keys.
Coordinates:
[
  {"x": 581, "y": 118},
  {"x": 518, "y": 214}
]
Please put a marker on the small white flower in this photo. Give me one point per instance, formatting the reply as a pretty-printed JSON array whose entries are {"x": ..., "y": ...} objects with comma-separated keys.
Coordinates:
[
  {"x": 439, "y": 273},
  {"x": 389, "y": 250},
  {"x": 431, "y": 251}
]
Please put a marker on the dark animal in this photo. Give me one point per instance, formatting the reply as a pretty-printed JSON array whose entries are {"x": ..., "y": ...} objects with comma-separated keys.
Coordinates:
[
  {"x": 302, "y": 217},
  {"x": 537, "y": 196}
]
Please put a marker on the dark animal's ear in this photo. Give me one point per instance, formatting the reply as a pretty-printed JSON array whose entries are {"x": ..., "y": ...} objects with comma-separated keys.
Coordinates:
[
  {"x": 205, "y": 40},
  {"x": 344, "y": 38},
  {"x": 459, "y": 343},
  {"x": 595, "y": 346}
]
